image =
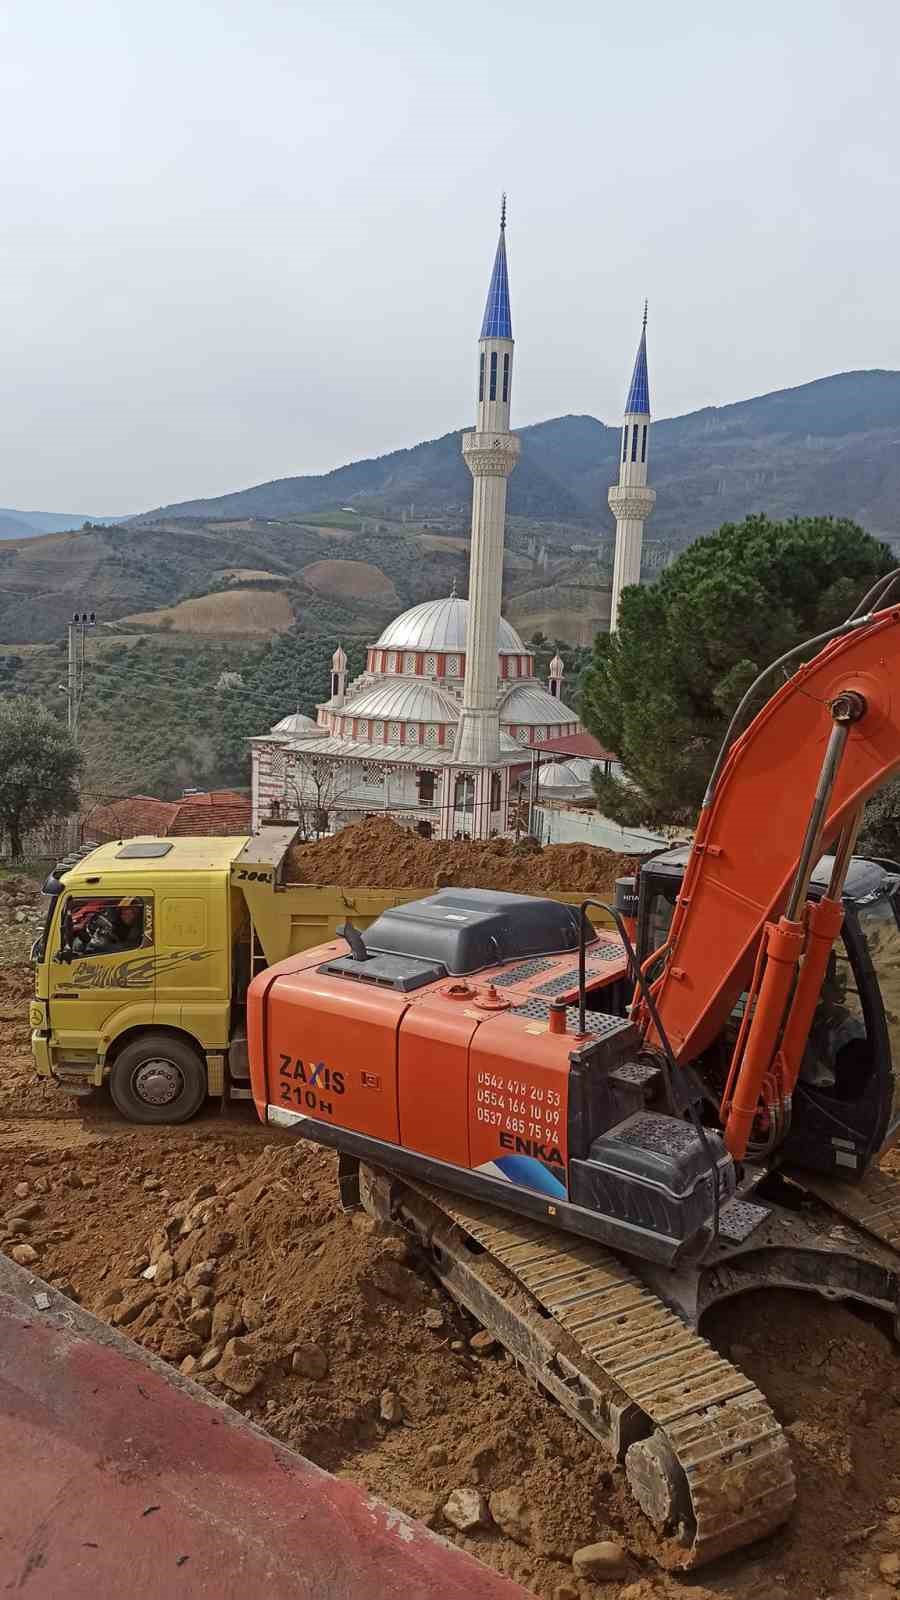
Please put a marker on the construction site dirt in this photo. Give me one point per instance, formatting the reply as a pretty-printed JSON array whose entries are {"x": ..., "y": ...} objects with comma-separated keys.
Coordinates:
[
  {"x": 223, "y": 1248},
  {"x": 378, "y": 852}
]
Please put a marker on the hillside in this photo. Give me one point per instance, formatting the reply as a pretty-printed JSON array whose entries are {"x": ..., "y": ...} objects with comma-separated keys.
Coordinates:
[
  {"x": 25, "y": 524},
  {"x": 827, "y": 446}
]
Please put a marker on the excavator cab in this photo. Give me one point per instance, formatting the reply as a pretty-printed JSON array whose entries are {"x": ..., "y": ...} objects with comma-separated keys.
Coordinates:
[{"x": 845, "y": 1100}]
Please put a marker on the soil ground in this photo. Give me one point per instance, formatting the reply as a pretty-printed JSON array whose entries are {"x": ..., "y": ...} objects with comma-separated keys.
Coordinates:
[{"x": 333, "y": 1351}]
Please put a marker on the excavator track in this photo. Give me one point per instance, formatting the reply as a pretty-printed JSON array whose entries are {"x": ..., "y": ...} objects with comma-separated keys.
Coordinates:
[
  {"x": 873, "y": 1203},
  {"x": 703, "y": 1454}
]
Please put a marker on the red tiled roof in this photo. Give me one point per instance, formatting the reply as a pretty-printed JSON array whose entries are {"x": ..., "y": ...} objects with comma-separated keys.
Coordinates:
[
  {"x": 219, "y": 811},
  {"x": 576, "y": 744}
]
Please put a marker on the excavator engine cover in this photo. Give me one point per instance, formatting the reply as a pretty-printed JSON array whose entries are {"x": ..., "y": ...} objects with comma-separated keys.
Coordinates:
[{"x": 444, "y": 1044}]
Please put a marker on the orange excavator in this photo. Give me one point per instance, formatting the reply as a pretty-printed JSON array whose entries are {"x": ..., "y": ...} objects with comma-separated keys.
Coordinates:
[{"x": 595, "y": 1136}]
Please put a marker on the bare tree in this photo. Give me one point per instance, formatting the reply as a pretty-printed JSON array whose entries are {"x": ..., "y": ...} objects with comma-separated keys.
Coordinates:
[{"x": 314, "y": 788}]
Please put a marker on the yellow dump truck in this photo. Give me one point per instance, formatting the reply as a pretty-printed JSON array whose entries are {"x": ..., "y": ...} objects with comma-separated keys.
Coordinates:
[{"x": 147, "y": 949}]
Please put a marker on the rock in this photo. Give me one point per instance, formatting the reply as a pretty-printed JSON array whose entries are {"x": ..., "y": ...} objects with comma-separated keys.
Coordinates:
[
  {"x": 41, "y": 1185},
  {"x": 63, "y": 1286},
  {"x": 21, "y": 1191},
  {"x": 201, "y": 1273},
  {"x": 310, "y": 1361},
  {"x": 42, "y": 1301},
  {"x": 203, "y": 1191},
  {"x": 602, "y": 1562},
  {"x": 466, "y": 1509},
  {"x": 138, "y": 1266},
  {"x": 158, "y": 1244},
  {"x": 202, "y": 1295},
  {"x": 252, "y": 1312},
  {"x": 390, "y": 1408},
  {"x": 210, "y": 1358},
  {"x": 151, "y": 1183},
  {"x": 164, "y": 1269},
  {"x": 237, "y": 1370},
  {"x": 881, "y": 1591},
  {"x": 396, "y": 1248},
  {"x": 512, "y": 1513},
  {"x": 457, "y": 1345},
  {"x": 565, "y": 1591},
  {"x": 482, "y": 1343},
  {"x": 150, "y": 1272},
  {"x": 110, "y": 1297},
  {"x": 200, "y": 1322},
  {"x": 29, "y": 1209},
  {"x": 434, "y": 1320},
  {"x": 889, "y": 1567},
  {"x": 220, "y": 1243},
  {"x": 394, "y": 1280},
  {"x": 436, "y": 1455},
  {"x": 25, "y": 1255},
  {"x": 176, "y": 1344},
  {"x": 188, "y": 1365},
  {"x": 19, "y": 1225},
  {"x": 129, "y": 1310},
  {"x": 184, "y": 1256},
  {"x": 226, "y": 1321}
]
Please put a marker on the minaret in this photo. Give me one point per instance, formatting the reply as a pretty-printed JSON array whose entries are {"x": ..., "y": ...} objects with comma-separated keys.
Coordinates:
[
  {"x": 338, "y": 676},
  {"x": 631, "y": 502},
  {"x": 490, "y": 454}
]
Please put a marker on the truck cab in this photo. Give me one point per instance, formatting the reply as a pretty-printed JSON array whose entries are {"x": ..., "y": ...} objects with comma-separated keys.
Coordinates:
[{"x": 135, "y": 974}]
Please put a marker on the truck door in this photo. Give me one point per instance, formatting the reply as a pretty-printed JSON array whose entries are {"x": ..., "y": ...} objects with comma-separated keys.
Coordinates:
[{"x": 103, "y": 960}]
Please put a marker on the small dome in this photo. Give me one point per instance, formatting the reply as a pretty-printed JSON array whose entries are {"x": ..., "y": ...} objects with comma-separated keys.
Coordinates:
[
  {"x": 534, "y": 707},
  {"x": 403, "y": 701},
  {"x": 562, "y": 780},
  {"x": 297, "y": 723},
  {"x": 441, "y": 625}
]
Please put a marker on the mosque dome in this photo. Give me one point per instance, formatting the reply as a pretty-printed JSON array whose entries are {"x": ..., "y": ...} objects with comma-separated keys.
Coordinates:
[
  {"x": 296, "y": 724},
  {"x": 441, "y": 625},
  {"x": 531, "y": 703},
  {"x": 562, "y": 780}
]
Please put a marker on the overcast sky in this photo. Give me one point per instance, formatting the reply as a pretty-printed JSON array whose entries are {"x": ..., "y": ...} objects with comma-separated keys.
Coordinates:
[{"x": 244, "y": 239}]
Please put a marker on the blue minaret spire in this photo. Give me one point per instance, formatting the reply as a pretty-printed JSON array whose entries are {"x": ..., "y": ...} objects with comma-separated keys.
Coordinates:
[
  {"x": 497, "y": 322},
  {"x": 638, "y": 402}
]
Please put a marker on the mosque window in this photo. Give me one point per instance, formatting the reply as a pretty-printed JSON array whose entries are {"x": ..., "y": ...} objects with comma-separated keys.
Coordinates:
[
  {"x": 392, "y": 662},
  {"x": 644, "y": 443},
  {"x": 395, "y": 733},
  {"x": 378, "y": 730},
  {"x": 506, "y": 376},
  {"x": 512, "y": 667},
  {"x": 412, "y": 733},
  {"x": 492, "y": 395},
  {"x": 425, "y": 786},
  {"x": 634, "y": 440},
  {"x": 481, "y": 377},
  {"x": 453, "y": 666},
  {"x": 540, "y": 735},
  {"x": 373, "y": 774},
  {"x": 495, "y": 791},
  {"x": 363, "y": 729},
  {"x": 522, "y": 735},
  {"x": 431, "y": 664},
  {"x": 624, "y": 444},
  {"x": 431, "y": 734},
  {"x": 409, "y": 663}
]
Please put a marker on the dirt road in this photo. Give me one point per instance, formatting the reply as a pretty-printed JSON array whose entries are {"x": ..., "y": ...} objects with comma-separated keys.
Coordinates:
[{"x": 223, "y": 1249}]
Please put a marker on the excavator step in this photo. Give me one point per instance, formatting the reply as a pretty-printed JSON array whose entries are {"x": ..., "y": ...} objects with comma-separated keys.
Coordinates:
[{"x": 703, "y": 1453}]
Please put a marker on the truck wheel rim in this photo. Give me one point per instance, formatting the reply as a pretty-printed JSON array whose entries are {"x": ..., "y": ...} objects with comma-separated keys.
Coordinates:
[{"x": 158, "y": 1082}]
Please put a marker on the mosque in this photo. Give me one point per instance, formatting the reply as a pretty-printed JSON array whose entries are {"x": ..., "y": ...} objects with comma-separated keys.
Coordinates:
[{"x": 448, "y": 710}]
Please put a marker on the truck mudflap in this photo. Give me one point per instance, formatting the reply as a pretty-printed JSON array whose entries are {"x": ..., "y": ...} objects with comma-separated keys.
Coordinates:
[{"x": 131, "y": 1480}]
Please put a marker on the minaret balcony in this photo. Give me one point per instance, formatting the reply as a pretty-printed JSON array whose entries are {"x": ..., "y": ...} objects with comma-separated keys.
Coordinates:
[
  {"x": 628, "y": 502},
  {"x": 490, "y": 454}
]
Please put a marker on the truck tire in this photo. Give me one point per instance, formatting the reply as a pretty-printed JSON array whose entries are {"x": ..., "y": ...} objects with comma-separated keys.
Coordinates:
[{"x": 158, "y": 1079}]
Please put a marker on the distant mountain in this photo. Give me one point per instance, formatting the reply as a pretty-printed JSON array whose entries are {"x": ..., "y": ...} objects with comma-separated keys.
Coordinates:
[
  {"x": 828, "y": 446},
  {"x": 26, "y": 524}
]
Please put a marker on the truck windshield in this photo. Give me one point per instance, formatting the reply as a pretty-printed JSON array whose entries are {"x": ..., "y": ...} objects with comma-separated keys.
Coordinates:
[{"x": 879, "y": 920}]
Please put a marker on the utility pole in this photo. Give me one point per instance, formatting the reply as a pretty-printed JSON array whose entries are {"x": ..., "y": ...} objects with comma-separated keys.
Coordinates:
[{"x": 81, "y": 621}]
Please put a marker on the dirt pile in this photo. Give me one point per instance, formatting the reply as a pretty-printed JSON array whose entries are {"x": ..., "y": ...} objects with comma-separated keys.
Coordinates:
[
  {"x": 329, "y": 1332},
  {"x": 380, "y": 854},
  {"x": 21, "y": 915}
]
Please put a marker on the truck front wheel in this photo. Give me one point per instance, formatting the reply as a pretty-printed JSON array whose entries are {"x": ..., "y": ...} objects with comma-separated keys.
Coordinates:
[{"x": 158, "y": 1079}]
